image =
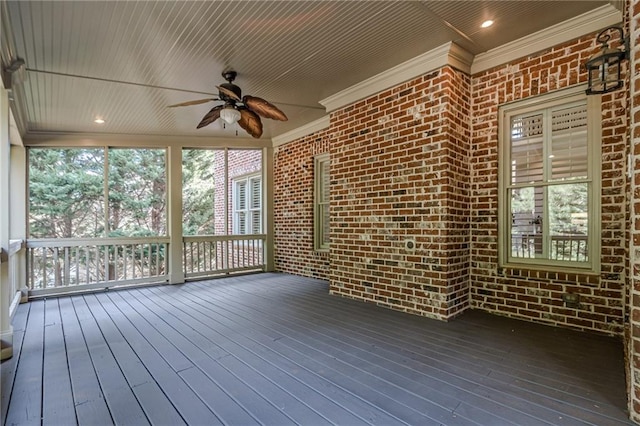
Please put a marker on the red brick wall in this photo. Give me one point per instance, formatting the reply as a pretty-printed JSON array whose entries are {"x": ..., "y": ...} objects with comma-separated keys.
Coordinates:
[
  {"x": 633, "y": 346},
  {"x": 530, "y": 294},
  {"x": 420, "y": 162},
  {"x": 240, "y": 162},
  {"x": 293, "y": 207},
  {"x": 399, "y": 171}
]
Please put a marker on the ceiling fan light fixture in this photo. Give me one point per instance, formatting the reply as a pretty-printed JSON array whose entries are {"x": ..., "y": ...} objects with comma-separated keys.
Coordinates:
[{"x": 230, "y": 115}]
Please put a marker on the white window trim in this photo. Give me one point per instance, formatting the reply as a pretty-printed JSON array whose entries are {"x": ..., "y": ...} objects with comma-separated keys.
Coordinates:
[
  {"x": 594, "y": 134},
  {"x": 317, "y": 212},
  {"x": 247, "y": 179}
]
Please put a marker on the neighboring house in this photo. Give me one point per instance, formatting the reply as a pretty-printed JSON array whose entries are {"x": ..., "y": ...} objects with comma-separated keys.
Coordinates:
[{"x": 244, "y": 183}]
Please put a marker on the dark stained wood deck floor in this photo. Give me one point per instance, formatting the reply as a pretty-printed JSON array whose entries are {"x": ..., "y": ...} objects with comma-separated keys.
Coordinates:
[{"x": 276, "y": 349}]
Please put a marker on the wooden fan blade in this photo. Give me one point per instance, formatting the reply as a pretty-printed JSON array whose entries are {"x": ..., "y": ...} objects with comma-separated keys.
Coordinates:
[
  {"x": 196, "y": 102},
  {"x": 264, "y": 108},
  {"x": 228, "y": 92},
  {"x": 211, "y": 116},
  {"x": 250, "y": 122}
]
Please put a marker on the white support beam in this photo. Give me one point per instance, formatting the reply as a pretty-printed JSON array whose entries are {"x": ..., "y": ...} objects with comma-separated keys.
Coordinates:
[
  {"x": 174, "y": 214},
  {"x": 6, "y": 330},
  {"x": 18, "y": 211},
  {"x": 267, "y": 209}
]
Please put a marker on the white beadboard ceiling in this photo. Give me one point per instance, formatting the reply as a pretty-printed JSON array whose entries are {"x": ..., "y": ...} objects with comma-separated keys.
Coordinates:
[{"x": 125, "y": 61}]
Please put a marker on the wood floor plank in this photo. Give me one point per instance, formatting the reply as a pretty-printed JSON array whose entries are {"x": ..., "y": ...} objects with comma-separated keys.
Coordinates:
[
  {"x": 385, "y": 369},
  {"x": 57, "y": 399},
  {"x": 346, "y": 401},
  {"x": 225, "y": 407},
  {"x": 245, "y": 372},
  {"x": 295, "y": 409},
  {"x": 549, "y": 417},
  {"x": 277, "y": 349},
  {"x": 139, "y": 360},
  {"x": 8, "y": 366},
  {"x": 378, "y": 399},
  {"x": 121, "y": 400},
  {"x": 503, "y": 361},
  {"x": 254, "y": 365},
  {"x": 164, "y": 346},
  {"x": 569, "y": 377},
  {"x": 567, "y": 400},
  {"x": 26, "y": 397},
  {"x": 90, "y": 405},
  {"x": 221, "y": 404},
  {"x": 464, "y": 340}
]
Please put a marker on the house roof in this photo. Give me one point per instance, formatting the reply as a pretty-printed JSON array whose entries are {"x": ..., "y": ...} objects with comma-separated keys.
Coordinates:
[{"x": 126, "y": 61}]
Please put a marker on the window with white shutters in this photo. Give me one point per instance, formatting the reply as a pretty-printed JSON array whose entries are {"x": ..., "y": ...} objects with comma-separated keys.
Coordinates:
[
  {"x": 321, "y": 205},
  {"x": 549, "y": 182},
  {"x": 247, "y": 205},
  {"x": 255, "y": 205}
]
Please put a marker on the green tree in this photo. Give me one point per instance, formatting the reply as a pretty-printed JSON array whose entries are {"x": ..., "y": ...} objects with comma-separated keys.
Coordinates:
[
  {"x": 66, "y": 193},
  {"x": 198, "y": 191},
  {"x": 137, "y": 191}
]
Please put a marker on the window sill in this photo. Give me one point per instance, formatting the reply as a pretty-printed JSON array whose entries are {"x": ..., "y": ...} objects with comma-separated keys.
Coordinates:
[{"x": 556, "y": 273}]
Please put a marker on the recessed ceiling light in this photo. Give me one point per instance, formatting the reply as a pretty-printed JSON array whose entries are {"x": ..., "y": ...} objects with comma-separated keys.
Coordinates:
[
  {"x": 487, "y": 23},
  {"x": 99, "y": 121}
]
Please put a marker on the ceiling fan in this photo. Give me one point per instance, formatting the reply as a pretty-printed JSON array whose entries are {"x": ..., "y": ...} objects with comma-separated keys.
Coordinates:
[{"x": 246, "y": 111}]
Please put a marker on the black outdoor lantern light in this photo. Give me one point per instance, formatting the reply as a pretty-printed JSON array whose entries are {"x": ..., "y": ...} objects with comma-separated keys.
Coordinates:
[{"x": 604, "y": 67}]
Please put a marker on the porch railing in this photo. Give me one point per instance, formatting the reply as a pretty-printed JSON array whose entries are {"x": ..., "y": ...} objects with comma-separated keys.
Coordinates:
[
  {"x": 563, "y": 247},
  {"x": 70, "y": 264},
  {"x": 14, "y": 258},
  {"x": 210, "y": 255}
]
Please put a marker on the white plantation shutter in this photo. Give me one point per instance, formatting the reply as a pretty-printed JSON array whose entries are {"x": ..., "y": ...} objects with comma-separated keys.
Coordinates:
[
  {"x": 241, "y": 195},
  {"x": 241, "y": 227},
  {"x": 256, "y": 193},
  {"x": 526, "y": 149},
  {"x": 255, "y": 222},
  {"x": 247, "y": 205},
  {"x": 568, "y": 153},
  {"x": 256, "y": 205}
]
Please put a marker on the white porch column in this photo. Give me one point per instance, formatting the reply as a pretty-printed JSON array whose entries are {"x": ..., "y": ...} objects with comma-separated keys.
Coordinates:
[
  {"x": 18, "y": 203},
  {"x": 267, "y": 211},
  {"x": 174, "y": 216},
  {"x": 6, "y": 330}
]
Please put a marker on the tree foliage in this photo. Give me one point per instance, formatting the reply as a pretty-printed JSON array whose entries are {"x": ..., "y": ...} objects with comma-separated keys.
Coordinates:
[
  {"x": 137, "y": 191},
  {"x": 67, "y": 188},
  {"x": 198, "y": 192},
  {"x": 66, "y": 193}
]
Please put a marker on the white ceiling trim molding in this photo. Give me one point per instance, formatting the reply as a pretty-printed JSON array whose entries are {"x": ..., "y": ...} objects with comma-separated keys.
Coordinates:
[
  {"x": 592, "y": 21},
  {"x": 302, "y": 131},
  {"x": 66, "y": 140},
  {"x": 447, "y": 54}
]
